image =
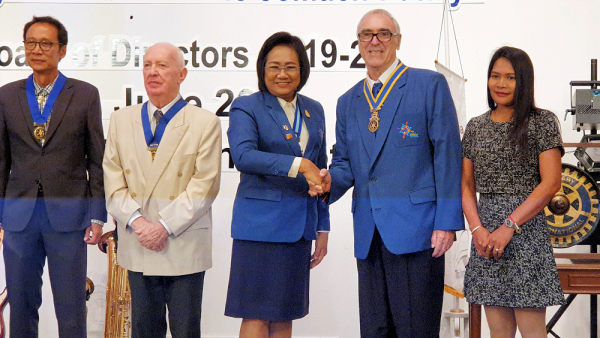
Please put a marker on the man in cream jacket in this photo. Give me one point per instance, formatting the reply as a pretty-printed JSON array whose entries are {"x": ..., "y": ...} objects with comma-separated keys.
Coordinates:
[{"x": 161, "y": 175}]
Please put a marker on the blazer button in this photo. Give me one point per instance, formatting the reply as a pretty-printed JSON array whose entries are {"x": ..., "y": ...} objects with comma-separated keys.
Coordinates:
[
  {"x": 133, "y": 195},
  {"x": 171, "y": 197},
  {"x": 179, "y": 174},
  {"x": 127, "y": 171}
]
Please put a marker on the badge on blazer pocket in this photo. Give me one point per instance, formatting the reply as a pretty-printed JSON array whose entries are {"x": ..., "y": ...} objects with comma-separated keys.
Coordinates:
[
  {"x": 407, "y": 135},
  {"x": 407, "y": 131}
]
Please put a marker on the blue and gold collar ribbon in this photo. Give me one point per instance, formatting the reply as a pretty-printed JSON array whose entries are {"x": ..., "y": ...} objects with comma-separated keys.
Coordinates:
[
  {"x": 153, "y": 140},
  {"x": 41, "y": 117},
  {"x": 376, "y": 103}
]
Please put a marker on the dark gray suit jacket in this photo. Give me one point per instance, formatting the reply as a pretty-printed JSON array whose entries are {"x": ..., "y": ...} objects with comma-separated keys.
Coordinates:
[{"x": 68, "y": 167}]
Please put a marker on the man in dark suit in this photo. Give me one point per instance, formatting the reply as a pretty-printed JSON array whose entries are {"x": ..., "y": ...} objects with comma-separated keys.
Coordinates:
[
  {"x": 51, "y": 185},
  {"x": 398, "y": 144}
]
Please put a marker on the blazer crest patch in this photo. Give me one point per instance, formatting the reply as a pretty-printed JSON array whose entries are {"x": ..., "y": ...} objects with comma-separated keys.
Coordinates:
[{"x": 407, "y": 130}]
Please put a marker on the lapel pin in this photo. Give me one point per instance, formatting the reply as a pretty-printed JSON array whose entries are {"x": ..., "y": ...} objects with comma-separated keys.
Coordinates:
[
  {"x": 288, "y": 136},
  {"x": 285, "y": 127},
  {"x": 306, "y": 113}
]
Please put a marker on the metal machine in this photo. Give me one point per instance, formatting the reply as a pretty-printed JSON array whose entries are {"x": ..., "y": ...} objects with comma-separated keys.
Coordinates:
[{"x": 572, "y": 215}]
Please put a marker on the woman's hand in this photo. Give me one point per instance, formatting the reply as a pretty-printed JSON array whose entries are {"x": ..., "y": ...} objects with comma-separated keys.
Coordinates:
[
  {"x": 481, "y": 240},
  {"x": 499, "y": 240},
  {"x": 311, "y": 173},
  {"x": 320, "y": 249}
]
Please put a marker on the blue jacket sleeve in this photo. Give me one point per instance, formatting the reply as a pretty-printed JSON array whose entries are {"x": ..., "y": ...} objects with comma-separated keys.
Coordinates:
[
  {"x": 243, "y": 138},
  {"x": 323, "y": 207},
  {"x": 342, "y": 177},
  {"x": 447, "y": 156}
]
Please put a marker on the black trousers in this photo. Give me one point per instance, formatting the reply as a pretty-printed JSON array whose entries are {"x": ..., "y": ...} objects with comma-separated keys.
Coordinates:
[
  {"x": 399, "y": 295},
  {"x": 25, "y": 254},
  {"x": 152, "y": 295}
]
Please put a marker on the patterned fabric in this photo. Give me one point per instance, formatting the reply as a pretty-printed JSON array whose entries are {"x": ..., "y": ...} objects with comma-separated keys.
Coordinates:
[
  {"x": 526, "y": 275},
  {"x": 158, "y": 114},
  {"x": 497, "y": 165},
  {"x": 42, "y": 93}
]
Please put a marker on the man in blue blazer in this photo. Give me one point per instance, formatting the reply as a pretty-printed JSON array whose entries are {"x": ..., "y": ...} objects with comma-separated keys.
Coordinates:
[{"x": 398, "y": 144}]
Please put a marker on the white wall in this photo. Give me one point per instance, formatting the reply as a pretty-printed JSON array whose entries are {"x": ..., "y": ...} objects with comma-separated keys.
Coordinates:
[{"x": 558, "y": 35}]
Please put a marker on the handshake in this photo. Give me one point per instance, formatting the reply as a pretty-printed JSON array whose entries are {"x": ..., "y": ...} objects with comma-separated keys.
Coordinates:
[{"x": 319, "y": 181}]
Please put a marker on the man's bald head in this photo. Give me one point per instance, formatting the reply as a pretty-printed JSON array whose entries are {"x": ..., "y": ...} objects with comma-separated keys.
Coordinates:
[{"x": 164, "y": 71}]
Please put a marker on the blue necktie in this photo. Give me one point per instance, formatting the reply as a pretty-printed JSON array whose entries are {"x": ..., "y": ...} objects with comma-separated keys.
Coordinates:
[{"x": 376, "y": 88}]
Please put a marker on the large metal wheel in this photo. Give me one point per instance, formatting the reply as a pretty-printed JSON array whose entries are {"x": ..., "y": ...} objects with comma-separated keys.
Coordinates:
[{"x": 572, "y": 214}]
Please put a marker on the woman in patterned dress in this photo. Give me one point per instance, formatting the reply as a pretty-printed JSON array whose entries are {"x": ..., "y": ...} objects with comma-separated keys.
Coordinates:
[{"x": 512, "y": 157}]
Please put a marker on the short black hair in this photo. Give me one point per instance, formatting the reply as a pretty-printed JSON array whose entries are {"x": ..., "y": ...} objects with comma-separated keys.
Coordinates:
[
  {"x": 286, "y": 39},
  {"x": 63, "y": 36}
]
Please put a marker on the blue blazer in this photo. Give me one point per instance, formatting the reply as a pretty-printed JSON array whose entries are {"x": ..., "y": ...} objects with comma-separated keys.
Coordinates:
[
  {"x": 406, "y": 176},
  {"x": 270, "y": 206}
]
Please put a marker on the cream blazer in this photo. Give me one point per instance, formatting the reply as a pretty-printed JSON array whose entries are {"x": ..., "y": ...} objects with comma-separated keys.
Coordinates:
[{"x": 179, "y": 187}]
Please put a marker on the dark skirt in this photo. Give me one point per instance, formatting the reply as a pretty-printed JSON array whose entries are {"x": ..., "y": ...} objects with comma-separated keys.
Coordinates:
[
  {"x": 269, "y": 281},
  {"x": 525, "y": 276}
]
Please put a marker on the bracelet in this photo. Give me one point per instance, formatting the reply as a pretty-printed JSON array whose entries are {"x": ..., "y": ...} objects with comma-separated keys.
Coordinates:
[
  {"x": 477, "y": 227},
  {"x": 509, "y": 222}
]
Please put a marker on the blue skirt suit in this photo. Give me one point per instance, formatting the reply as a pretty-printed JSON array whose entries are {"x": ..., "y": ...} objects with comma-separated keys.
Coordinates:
[{"x": 274, "y": 218}]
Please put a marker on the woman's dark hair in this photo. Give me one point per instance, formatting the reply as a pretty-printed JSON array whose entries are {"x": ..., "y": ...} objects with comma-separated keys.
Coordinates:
[
  {"x": 63, "y": 37},
  {"x": 285, "y": 39},
  {"x": 523, "y": 102}
]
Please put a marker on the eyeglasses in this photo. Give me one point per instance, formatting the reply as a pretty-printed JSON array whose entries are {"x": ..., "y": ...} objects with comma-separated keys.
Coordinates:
[
  {"x": 286, "y": 69},
  {"x": 44, "y": 45},
  {"x": 382, "y": 36}
]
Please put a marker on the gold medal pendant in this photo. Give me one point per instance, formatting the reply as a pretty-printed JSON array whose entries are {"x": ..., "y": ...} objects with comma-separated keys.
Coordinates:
[
  {"x": 39, "y": 132},
  {"x": 376, "y": 102},
  {"x": 152, "y": 151},
  {"x": 374, "y": 122}
]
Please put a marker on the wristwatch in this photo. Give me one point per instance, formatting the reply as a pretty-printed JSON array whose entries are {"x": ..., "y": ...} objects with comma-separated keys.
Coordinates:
[{"x": 511, "y": 224}]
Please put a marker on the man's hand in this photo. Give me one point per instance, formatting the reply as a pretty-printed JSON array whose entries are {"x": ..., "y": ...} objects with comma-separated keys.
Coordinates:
[
  {"x": 152, "y": 236},
  {"x": 93, "y": 234},
  {"x": 441, "y": 241},
  {"x": 322, "y": 188},
  {"x": 320, "y": 249}
]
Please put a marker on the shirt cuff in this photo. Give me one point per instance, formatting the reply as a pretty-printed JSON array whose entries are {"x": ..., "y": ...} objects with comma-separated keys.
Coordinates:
[
  {"x": 137, "y": 214},
  {"x": 100, "y": 223},
  {"x": 322, "y": 230},
  {"x": 166, "y": 226},
  {"x": 295, "y": 167}
]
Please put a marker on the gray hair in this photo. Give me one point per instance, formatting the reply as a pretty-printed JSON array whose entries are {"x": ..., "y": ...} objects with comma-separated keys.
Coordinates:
[{"x": 383, "y": 12}]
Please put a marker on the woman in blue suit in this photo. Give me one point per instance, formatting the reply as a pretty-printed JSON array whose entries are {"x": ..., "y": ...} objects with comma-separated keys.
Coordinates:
[{"x": 277, "y": 142}]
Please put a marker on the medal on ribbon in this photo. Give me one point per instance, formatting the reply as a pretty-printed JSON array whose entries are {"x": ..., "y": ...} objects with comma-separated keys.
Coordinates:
[
  {"x": 40, "y": 118},
  {"x": 153, "y": 140},
  {"x": 376, "y": 103}
]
